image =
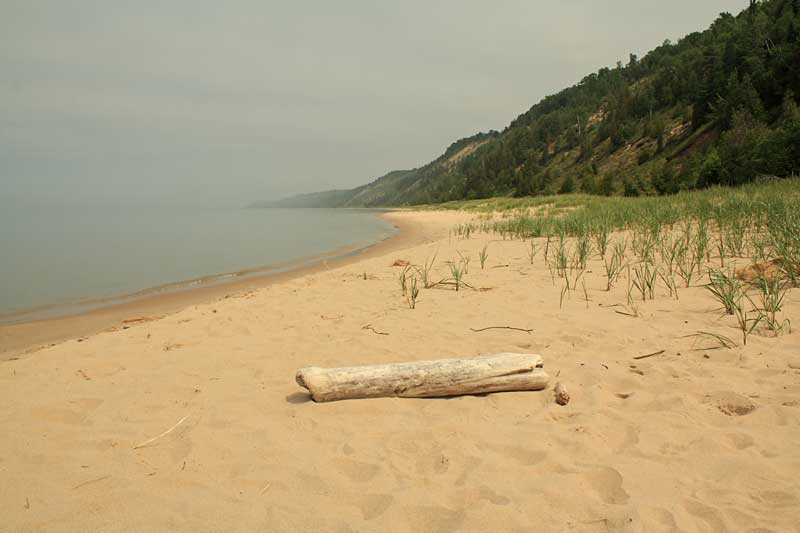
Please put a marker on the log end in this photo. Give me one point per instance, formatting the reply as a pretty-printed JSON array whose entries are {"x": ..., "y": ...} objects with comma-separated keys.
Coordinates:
[{"x": 305, "y": 377}]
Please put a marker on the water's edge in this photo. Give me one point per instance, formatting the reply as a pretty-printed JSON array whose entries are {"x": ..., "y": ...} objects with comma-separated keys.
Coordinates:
[{"x": 86, "y": 305}]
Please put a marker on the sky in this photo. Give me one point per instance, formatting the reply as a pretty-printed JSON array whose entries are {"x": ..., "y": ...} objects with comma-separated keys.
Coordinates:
[{"x": 223, "y": 103}]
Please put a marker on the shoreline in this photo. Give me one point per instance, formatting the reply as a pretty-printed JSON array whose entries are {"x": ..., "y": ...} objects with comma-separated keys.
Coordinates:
[
  {"x": 28, "y": 336},
  {"x": 197, "y": 417}
]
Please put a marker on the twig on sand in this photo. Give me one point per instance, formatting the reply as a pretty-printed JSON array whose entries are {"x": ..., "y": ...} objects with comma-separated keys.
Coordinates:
[
  {"x": 649, "y": 355},
  {"x": 373, "y": 330},
  {"x": 79, "y": 485},
  {"x": 167, "y": 432},
  {"x": 502, "y": 327},
  {"x": 724, "y": 341}
]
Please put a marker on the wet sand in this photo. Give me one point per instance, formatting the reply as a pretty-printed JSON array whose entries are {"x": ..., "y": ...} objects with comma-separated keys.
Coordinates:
[{"x": 32, "y": 335}]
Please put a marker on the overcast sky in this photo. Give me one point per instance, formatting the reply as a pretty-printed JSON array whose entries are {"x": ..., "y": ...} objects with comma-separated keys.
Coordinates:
[{"x": 221, "y": 103}]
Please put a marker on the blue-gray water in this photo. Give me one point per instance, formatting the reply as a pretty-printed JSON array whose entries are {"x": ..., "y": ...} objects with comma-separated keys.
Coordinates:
[{"x": 67, "y": 255}]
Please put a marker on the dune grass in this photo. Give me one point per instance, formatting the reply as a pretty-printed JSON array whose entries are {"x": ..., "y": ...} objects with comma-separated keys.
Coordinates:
[{"x": 698, "y": 237}]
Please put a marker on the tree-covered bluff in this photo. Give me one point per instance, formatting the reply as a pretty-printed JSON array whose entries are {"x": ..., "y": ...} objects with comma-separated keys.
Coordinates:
[{"x": 717, "y": 107}]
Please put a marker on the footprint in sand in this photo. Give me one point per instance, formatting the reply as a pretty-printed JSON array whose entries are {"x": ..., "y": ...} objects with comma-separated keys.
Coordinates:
[
  {"x": 709, "y": 515},
  {"x": 524, "y": 456},
  {"x": 665, "y": 518},
  {"x": 357, "y": 470},
  {"x": 374, "y": 505},
  {"x": 486, "y": 493},
  {"x": 470, "y": 464},
  {"x": 437, "y": 463},
  {"x": 741, "y": 441},
  {"x": 607, "y": 482},
  {"x": 435, "y": 518},
  {"x": 775, "y": 499}
]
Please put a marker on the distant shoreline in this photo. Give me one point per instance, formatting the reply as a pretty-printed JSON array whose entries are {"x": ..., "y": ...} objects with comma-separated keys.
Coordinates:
[{"x": 40, "y": 327}]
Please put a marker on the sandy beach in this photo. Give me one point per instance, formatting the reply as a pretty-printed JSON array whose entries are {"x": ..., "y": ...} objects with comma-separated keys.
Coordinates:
[{"x": 694, "y": 438}]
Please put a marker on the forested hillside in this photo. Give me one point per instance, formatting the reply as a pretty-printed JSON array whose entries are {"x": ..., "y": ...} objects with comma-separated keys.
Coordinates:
[{"x": 717, "y": 107}]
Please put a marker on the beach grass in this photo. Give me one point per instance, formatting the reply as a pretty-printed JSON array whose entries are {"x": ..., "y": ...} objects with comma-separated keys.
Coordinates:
[{"x": 655, "y": 241}]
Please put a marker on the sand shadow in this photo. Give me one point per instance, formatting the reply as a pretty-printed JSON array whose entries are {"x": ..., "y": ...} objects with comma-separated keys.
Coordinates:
[{"x": 298, "y": 397}]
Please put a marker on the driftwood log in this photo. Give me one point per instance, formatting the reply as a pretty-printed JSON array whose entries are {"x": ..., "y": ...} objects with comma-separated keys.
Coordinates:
[{"x": 426, "y": 379}]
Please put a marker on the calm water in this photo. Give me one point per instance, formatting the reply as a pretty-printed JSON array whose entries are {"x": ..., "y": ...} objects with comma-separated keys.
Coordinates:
[{"x": 66, "y": 255}]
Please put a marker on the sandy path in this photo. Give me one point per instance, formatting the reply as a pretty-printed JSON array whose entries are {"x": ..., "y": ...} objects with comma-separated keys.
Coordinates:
[{"x": 643, "y": 445}]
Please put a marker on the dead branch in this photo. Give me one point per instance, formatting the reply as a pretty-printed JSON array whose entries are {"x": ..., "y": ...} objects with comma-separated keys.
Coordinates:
[
  {"x": 373, "y": 330},
  {"x": 649, "y": 355},
  {"x": 502, "y": 327}
]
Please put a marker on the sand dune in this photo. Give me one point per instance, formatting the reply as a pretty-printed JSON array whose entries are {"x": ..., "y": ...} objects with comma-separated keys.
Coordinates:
[{"x": 692, "y": 439}]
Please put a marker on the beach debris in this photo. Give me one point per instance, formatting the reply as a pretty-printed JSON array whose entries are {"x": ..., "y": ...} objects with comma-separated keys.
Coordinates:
[
  {"x": 561, "y": 394},
  {"x": 167, "y": 432},
  {"x": 638, "y": 357},
  {"x": 79, "y": 485},
  {"x": 172, "y": 346},
  {"x": 373, "y": 330},
  {"x": 502, "y": 327},
  {"x": 401, "y": 263},
  {"x": 500, "y": 372}
]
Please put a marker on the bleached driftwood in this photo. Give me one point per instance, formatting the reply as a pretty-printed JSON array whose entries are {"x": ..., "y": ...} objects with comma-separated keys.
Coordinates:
[{"x": 425, "y": 379}]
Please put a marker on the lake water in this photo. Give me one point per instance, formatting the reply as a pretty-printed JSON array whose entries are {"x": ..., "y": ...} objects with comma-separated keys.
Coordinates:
[{"x": 66, "y": 256}]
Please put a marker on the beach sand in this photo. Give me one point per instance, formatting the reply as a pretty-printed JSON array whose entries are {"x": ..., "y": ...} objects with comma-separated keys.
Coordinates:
[{"x": 692, "y": 439}]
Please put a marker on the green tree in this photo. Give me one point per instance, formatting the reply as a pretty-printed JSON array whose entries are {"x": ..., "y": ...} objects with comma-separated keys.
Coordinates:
[
  {"x": 710, "y": 170},
  {"x": 607, "y": 185},
  {"x": 568, "y": 185}
]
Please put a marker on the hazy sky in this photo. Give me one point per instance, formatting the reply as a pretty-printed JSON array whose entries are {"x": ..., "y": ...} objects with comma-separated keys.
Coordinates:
[{"x": 214, "y": 102}]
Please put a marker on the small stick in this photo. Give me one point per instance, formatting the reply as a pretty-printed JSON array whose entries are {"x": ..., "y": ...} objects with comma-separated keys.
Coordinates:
[
  {"x": 649, "y": 355},
  {"x": 167, "y": 432},
  {"x": 79, "y": 485},
  {"x": 373, "y": 330},
  {"x": 502, "y": 327}
]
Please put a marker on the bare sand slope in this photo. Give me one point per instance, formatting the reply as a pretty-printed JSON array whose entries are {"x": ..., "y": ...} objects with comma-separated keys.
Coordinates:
[{"x": 689, "y": 440}]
